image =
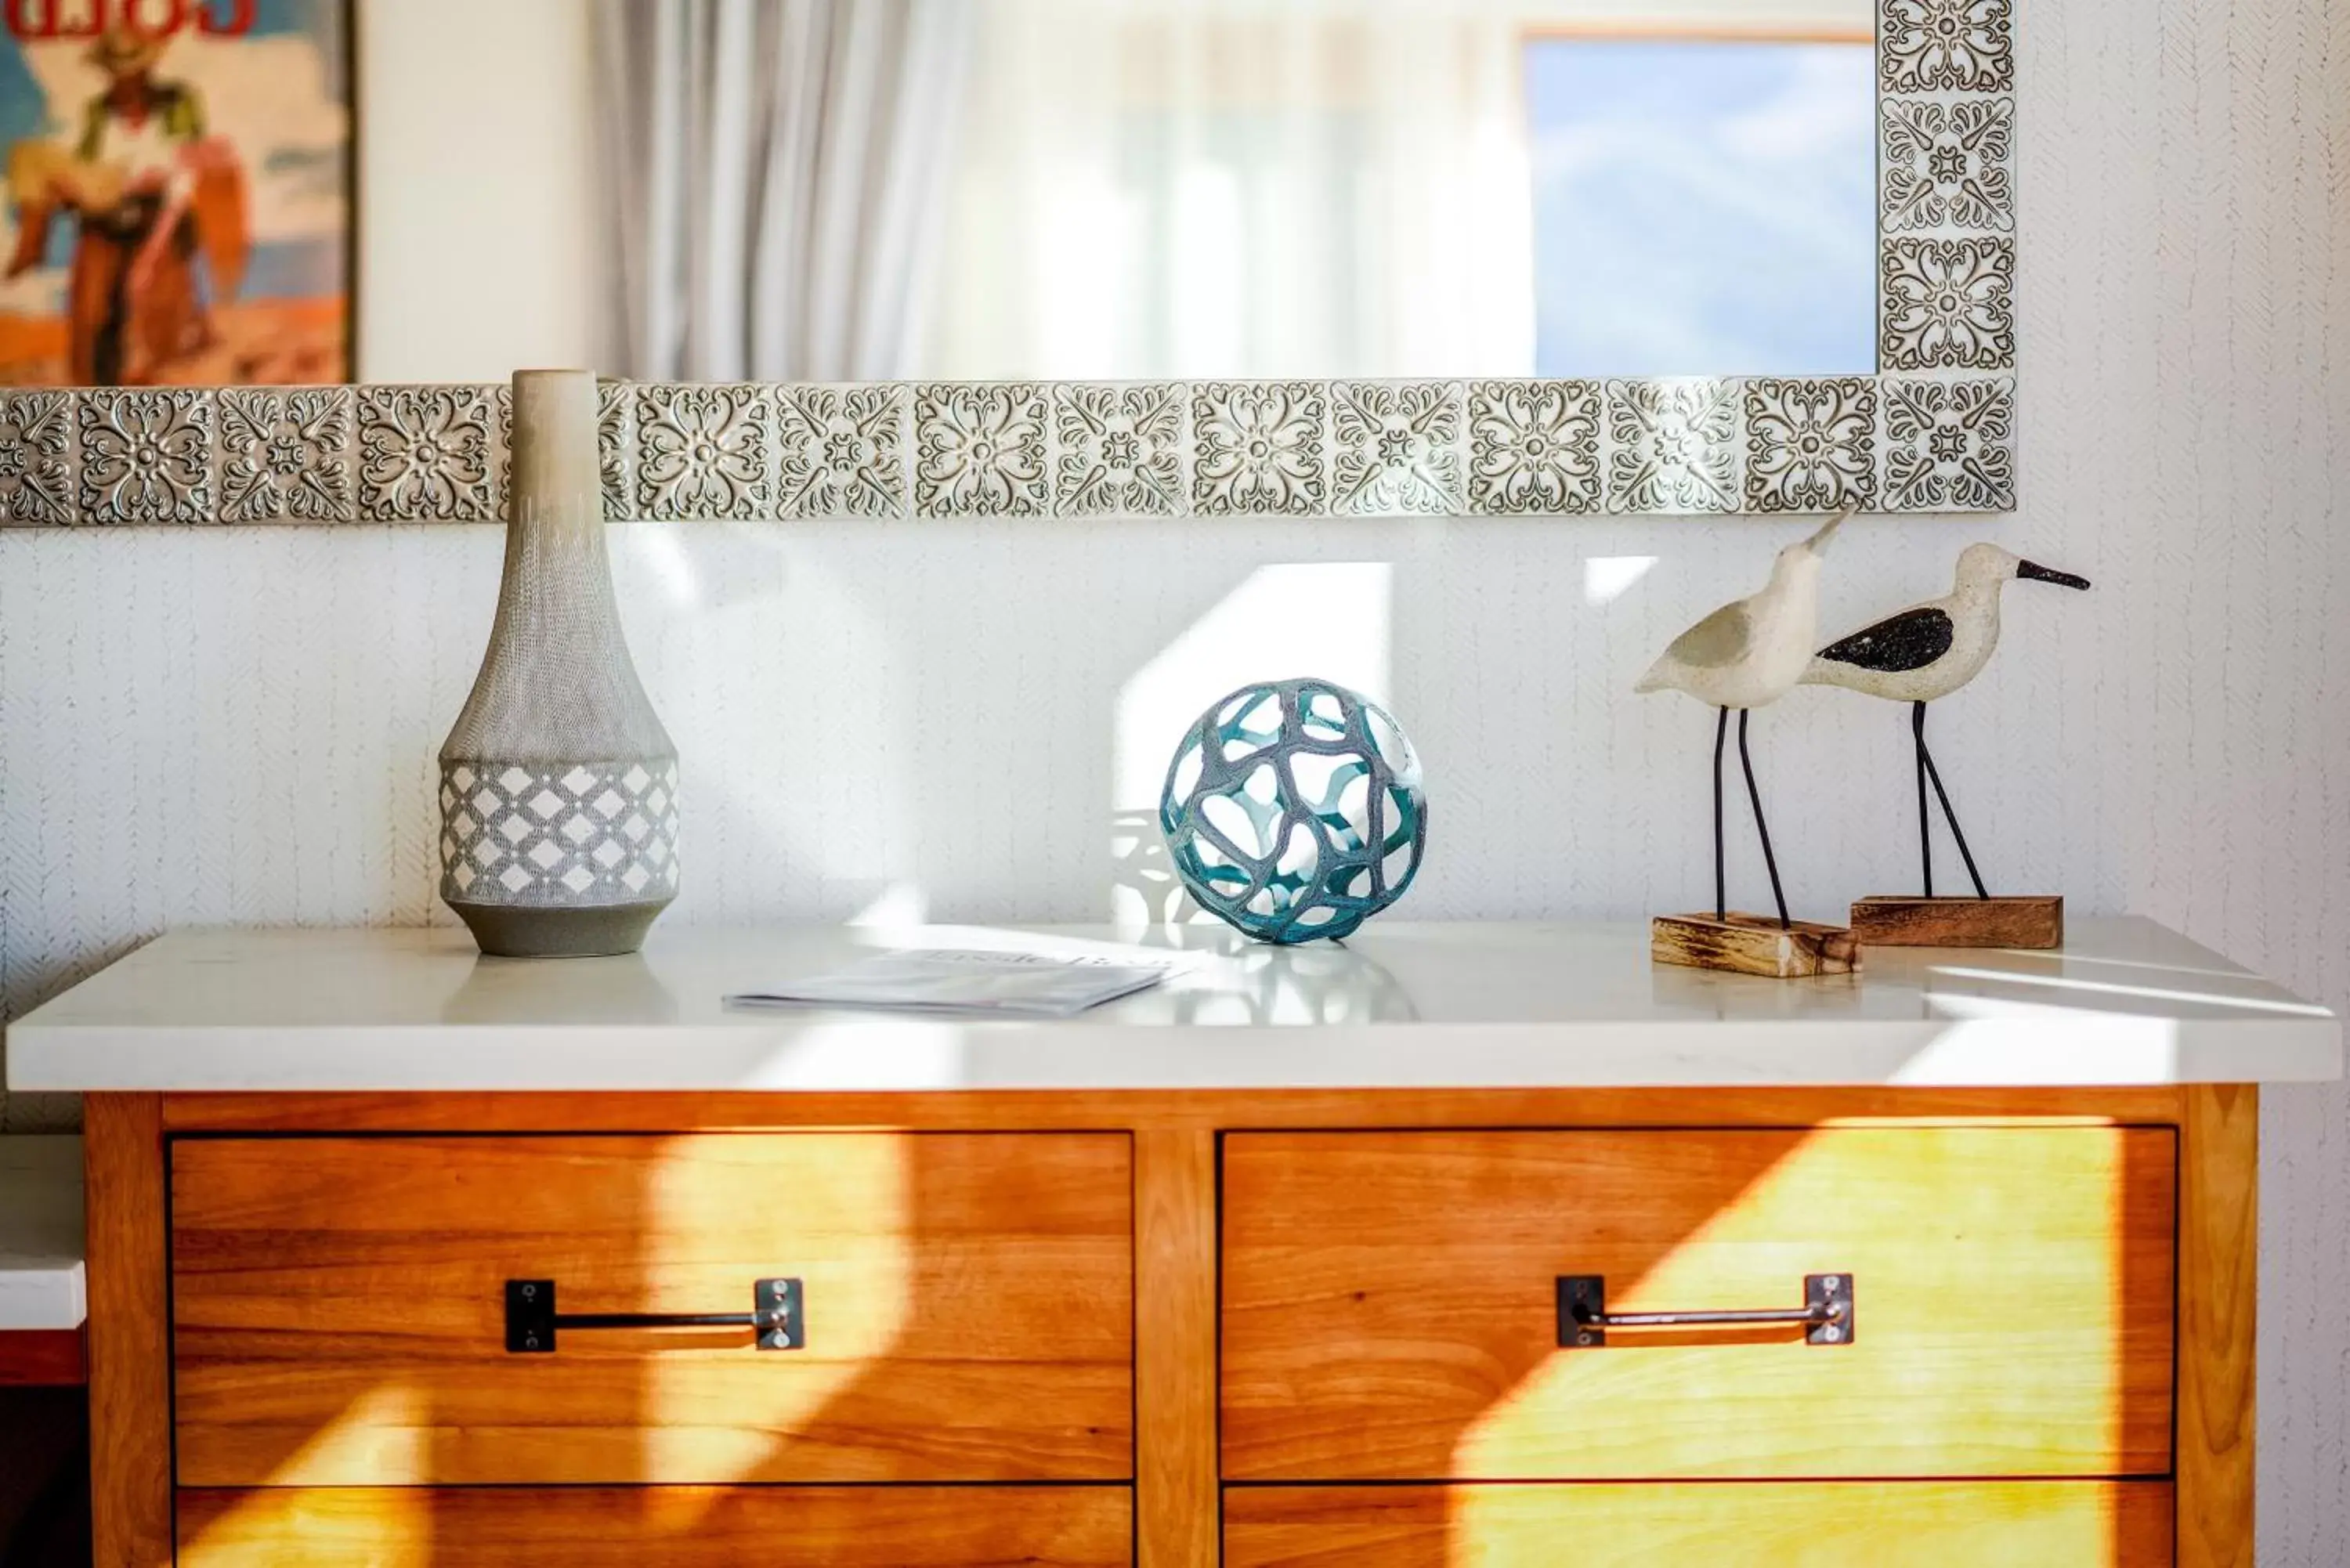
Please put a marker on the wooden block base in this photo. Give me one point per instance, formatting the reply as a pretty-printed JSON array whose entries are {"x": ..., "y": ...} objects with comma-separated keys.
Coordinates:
[
  {"x": 1887, "y": 921},
  {"x": 1753, "y": 944}
]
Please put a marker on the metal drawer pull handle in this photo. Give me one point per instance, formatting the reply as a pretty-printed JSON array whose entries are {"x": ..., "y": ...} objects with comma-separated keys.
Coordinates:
[
  {"x": 1829, "y": 1315},
  {"x": 778, "y": 1312}
]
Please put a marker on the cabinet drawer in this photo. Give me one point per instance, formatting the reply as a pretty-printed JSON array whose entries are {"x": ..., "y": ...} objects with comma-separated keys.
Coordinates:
[
  {"x": 1910, "y": 1524},
  {"x": 340, "y": 1314},
  {"x": 1391, "y": 1304},
  {"x": 682, "y": 1527}
]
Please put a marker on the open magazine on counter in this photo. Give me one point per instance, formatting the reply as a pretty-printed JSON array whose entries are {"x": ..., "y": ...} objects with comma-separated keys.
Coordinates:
[{"x": 950, "y": 980}]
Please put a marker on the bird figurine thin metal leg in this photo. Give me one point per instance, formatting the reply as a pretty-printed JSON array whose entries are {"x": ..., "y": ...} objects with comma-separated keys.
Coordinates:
[
  {"x": 1916, "y": 656},
  {"x": 1925, "y": 770},
  {"x": 1720, "y": 874},
  {"x": 1761, "y": 828},
  {"x": 1925, "y": 820},
  {"x": 1747, "y": 655}
]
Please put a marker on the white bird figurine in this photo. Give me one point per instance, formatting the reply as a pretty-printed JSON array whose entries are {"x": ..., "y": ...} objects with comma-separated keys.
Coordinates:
[
  {"x": 1929, "y": 651},
  {"x": 1747, "y": 655}
]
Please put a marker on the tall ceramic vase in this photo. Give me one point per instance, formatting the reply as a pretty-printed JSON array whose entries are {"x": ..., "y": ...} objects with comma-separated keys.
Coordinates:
[{"x": 558, "y": 786}]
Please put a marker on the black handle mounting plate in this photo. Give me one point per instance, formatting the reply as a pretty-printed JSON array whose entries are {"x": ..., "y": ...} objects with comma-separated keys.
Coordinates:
[{"x": 530, "y": 1317}]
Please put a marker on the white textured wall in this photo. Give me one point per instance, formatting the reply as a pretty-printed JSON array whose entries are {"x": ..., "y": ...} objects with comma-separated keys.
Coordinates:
[{"x": 210, "y": 727}]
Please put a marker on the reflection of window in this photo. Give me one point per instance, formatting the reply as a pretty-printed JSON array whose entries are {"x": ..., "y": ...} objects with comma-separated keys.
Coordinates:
[
  {"x": 1702, "y": 205},
  {"x": 1207, "y": 188}
]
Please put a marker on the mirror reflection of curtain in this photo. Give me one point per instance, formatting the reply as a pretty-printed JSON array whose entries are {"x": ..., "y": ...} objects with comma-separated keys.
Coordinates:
[
  {"x": 777, "y": 172},
  {"x": 1190, "y": 188}
]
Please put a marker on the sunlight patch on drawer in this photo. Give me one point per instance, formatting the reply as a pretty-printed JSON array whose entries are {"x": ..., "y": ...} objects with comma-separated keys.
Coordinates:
[{"x": 851, "y": 1214}]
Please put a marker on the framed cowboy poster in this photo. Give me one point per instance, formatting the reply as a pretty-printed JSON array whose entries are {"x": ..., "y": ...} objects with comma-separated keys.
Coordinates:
[{"x": 178, "y": 204}]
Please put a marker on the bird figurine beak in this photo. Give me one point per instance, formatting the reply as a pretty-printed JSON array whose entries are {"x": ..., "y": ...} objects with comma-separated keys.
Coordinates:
[
  {"x": 2040, "y": 574},
  {"x": 1819, "y": 542}
]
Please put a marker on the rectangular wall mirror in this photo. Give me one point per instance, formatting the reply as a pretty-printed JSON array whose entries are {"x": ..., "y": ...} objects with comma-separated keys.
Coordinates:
[{"x": 1205, "y": 258}]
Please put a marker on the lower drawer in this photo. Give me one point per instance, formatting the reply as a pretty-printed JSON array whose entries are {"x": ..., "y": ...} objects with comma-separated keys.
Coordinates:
[
  {"x": 1866, "y": 1524},
  {"x": 680, "y": 1527}
]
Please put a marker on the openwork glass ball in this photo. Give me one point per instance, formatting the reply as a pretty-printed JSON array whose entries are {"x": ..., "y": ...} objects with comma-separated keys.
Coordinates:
[{"x": 1294, "y": 810}]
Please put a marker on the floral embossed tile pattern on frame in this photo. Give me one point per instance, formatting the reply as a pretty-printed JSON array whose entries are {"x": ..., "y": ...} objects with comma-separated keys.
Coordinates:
[{"x": 1041, "y": 451}]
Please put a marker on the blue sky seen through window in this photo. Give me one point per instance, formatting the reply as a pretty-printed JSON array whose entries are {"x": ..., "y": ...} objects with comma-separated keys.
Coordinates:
[{"x": 1703, "y": 206}]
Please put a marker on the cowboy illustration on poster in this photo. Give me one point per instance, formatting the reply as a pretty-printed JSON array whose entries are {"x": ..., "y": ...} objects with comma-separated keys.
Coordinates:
[{"x": 180, "y": 206}]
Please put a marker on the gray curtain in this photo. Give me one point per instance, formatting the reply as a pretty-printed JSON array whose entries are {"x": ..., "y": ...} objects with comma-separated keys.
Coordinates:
[{"x": 778, "y": 170}]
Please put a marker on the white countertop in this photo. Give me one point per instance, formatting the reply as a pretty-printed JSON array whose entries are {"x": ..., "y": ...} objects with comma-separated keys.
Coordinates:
[
  {"x": 40, "y": 1233},
  {"x": 1401, "y": 1006}
]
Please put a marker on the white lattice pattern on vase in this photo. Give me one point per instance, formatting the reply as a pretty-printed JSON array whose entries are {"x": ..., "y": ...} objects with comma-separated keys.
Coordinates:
[{"x": 581, "y": 835}]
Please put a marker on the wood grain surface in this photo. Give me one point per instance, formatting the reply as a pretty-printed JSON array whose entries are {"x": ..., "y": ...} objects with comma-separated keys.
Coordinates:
[
  {"x": 41, "y": 1359},
  {"x": 129, "y": 1365},
  {"x": 1753, "y": 944},
  {"x": 1390, "y": 1307},
  {"x": 340, "y": 1314},
  {"x": 678, "y": 1527},
  {"x": 1892, "y": 922},
  {"x": 1910, "y": 1524},
  {"x": 2218, "y": 1232},
  {"x": 1175, "y": 1347}
]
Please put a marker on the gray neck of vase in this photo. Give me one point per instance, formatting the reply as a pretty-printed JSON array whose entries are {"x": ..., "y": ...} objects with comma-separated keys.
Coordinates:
[{"x": 557, "y": 683}]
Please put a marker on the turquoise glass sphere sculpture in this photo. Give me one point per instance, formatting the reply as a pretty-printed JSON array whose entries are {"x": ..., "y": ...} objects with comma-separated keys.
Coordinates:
[{"x": 1294, "y": 810}]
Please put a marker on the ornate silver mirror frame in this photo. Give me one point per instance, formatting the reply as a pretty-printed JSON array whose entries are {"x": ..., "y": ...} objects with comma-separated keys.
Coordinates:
[{"x": 1933, "y": 430}]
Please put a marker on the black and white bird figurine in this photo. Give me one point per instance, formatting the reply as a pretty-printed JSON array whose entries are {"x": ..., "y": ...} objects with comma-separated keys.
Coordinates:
[
  {"x": 1747, "y": 655},
  {"x": 1929, "y": 651}
]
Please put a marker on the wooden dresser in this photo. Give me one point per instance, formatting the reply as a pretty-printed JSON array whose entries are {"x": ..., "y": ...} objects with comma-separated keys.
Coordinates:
[{"x": 1465, "y": 1245}]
